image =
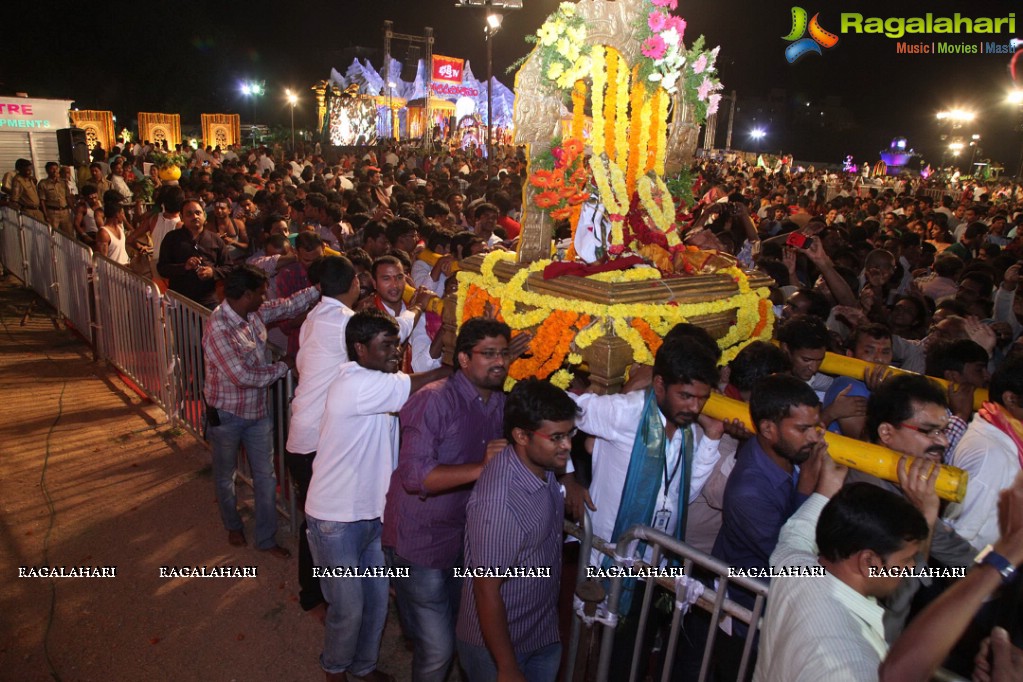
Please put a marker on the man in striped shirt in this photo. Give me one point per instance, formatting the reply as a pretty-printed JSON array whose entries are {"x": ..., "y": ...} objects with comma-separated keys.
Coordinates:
[{"x": 508, "y": 618}]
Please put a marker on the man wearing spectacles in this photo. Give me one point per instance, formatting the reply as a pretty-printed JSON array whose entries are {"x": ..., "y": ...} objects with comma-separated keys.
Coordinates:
[
  {"x": 909, "y": 414},
  {"x": 449, "y": 431}
]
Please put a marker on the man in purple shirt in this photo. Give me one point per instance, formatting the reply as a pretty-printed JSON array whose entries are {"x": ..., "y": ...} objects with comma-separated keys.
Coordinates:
[
  {"x": 508, "y": 618},
  {"x": 450, "y": 429},
  {"x": 774, "y": 473}
]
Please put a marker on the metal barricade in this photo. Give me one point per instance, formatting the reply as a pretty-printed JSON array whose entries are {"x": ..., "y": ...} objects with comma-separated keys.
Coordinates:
[
  {"x": 713, "y": 599},
  {"x": 38, "y": 245},
  {"x": 130, "y": 327},
  {"x": 185, "y": 320},
  {"x": 281, "y": 393},
  {"x": 72, "y": 270},
  {"x": 13, "y": 252}
]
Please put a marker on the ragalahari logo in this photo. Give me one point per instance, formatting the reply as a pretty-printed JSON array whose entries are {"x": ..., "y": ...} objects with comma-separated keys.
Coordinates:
[{"x": 801, "y": 46}]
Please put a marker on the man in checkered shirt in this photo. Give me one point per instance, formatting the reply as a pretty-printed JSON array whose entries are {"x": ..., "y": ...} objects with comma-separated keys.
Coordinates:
[{"x": 238, "y": 372}]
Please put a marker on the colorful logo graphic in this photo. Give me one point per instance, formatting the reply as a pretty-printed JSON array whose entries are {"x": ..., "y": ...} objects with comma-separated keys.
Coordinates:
[{"x": 801, "y": 46}]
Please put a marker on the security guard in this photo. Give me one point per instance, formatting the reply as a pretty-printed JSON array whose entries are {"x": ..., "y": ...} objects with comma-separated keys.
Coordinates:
[{"x": 56, "y": 200}]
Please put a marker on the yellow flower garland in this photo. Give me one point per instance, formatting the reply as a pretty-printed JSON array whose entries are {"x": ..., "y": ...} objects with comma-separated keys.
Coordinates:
[
  {"x": 609, "y": 102},
  {"x": 598, "y": 74},
  {"x": 646, "y": 126},
  {"x": 523, "y": 309},
  {"x": 578, "y": 109},
  {"x": 622, "y": 94},
  {"x": 662, "y": 132},
  {"x": 663, "y": 215},
  {"x": 614, "y": 194}
]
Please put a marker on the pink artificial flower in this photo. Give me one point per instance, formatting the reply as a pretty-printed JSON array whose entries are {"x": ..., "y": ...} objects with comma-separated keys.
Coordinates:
[
  {"x": 654, "y": 47},
  {"x": 677, "y": 23},
  {"x": 559, "y": 157},
  {"x": 700, "y": 64},
  {"x": 703, "y": 91},
  {"x": 670, "y": 4},
  {"x": 656, "y": 21},
  {"x": 712, "y": 104}
]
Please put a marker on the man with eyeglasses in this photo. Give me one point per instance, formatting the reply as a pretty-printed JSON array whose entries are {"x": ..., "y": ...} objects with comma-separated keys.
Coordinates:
[
  {"x": 449, "y": 431},
  {"x": 909, "y": 414}
]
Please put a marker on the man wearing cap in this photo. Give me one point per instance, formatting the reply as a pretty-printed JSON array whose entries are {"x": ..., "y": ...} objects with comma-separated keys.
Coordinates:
[
  {"x": 56, "y": 200},
  {"x": 24, "y": 193}
]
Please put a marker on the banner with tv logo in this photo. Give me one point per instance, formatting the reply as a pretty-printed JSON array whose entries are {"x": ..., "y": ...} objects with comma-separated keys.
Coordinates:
[{"x": 448, "y": 69}]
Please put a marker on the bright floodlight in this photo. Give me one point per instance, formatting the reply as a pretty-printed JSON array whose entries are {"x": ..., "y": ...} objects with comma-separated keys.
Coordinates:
[
  {"x": 246, "y": 90},
  {"x": 494, "y": 20},
  {"x": 956, "y": 146},
  {"x": 957, "y": 115},
  {"x": 292, "y": 98},
  {"x": 1016, "y": 97},
  {"x": 757, "y": 133}
]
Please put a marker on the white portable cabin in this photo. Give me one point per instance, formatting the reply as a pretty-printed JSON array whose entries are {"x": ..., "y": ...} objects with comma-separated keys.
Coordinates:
[{"x": 28, "y": 130}]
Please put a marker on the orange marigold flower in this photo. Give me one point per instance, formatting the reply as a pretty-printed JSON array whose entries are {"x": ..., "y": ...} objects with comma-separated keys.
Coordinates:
[
  {"x": 578, "y": 198},
  {"x": 561, "y": 213}
]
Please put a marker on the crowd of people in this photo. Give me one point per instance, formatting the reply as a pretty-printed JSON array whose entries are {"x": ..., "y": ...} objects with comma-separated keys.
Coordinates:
[{"x": 458, "y": 489}]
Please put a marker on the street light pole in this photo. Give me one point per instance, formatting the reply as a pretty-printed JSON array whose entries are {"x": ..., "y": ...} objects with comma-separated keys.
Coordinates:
[
  {"x": 292, "y": 100},
  {"x": 490, "y": 94}
]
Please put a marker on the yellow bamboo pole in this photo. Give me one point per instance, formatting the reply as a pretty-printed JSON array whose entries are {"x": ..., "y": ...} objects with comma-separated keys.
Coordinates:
[{"x": 866, "y": 457}]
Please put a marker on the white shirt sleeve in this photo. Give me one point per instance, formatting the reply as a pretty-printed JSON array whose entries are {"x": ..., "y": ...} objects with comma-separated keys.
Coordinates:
[
  {"x": 383, "y": 393},
  {"x": 705, "y": 458}
]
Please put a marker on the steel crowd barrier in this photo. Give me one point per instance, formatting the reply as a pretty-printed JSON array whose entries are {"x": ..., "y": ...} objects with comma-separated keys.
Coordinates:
[
  {"x": 711, "y": 597},
  {"x": 72, "y": 269},
  {"x": 130, "y": 326},
  {"x": 13, "y": 251},
  {"x": 154, "y": 341},
  {"x": 37, "y": 242}
]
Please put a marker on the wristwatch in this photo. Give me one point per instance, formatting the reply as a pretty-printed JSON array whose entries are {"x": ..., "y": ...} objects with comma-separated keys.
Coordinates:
[{"x": 992, "y": 558}]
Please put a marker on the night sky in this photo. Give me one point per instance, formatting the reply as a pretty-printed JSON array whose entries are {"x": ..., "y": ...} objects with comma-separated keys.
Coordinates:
[{"x": 190, "y": 57}]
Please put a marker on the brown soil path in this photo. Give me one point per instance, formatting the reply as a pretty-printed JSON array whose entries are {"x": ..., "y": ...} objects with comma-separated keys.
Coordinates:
[{"x": 92, "y": 475}]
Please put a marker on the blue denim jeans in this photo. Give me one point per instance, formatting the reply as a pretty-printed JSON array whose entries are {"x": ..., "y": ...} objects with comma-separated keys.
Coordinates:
[
  {"x": 540, "y": 665},
  {"x": 257, "y": 437},
  {"x": 358, "y": 606},
  {"x": 428, "y": 602}
]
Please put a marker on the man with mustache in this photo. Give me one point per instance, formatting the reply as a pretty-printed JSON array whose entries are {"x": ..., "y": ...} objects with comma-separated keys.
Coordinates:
[
  {"x": 909, "y": 414},
  {"x": 775, "y": 472}
]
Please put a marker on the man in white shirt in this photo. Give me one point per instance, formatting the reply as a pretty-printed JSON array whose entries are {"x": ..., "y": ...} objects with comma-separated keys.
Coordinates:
[
  {"x": 650, "y": 458},
  {"x": 829, "y": 626},
  {"x": 321, "y": 354},
  {"x": 356, "y": 452},
  {"x": 991, "y": 456}
]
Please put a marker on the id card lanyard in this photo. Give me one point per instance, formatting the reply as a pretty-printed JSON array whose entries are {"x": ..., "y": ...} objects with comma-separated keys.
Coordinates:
[{"x": 663, "y": 516}]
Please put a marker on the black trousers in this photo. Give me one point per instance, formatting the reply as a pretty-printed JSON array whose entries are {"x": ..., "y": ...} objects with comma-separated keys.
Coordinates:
[{"x": 300, "y": 466}]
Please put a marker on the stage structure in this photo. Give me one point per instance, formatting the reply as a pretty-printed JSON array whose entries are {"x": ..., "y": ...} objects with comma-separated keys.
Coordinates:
[
  {"x": 98, "y": 127},
  {"x": 221, "y": 130},
  {"x": 160, "y": 128}
]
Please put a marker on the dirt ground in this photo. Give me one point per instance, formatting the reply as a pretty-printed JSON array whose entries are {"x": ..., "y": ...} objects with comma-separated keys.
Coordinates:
[{"x": 93, "y": 475}]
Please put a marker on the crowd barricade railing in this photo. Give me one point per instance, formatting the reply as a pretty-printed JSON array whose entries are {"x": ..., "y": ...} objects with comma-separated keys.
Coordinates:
[
  {"x": 13, "y": 251},
  {"x": 281, "y": 393},
  {"x": 185, "y": 322},
  {"x": 72, "y": 270},
  {"x": 130, "y": 327},
  {"x": 713, "y": 598},
  {"x": 185, "y": 375},
  {"x": 37, "y": 241}
]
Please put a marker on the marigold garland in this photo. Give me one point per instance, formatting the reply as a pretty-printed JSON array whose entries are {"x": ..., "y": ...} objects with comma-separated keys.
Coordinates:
[
  {"x": 662, "y": 133},
  {"x": 610, "y": 102},
  {"x": 635, "y": 132},
  {"x": 578, "y": 109},
  {"x": 572, "y": 325},
  {"x": 663, "y": 213},
  {"x": 622, "y": 95},
  {"x": 598, "y": 74},
  {"x": 646, "y": 127},
  {"x": 651, "y": 109}
]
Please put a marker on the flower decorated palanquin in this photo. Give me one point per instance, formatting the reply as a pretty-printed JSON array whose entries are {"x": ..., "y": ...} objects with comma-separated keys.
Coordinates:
[{"x": 635, "y": 96}]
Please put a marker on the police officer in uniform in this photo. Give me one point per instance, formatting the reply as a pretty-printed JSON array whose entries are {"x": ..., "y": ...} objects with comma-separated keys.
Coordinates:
[
  {"x": 24, "y": 194},
  {"x": 56, "y": 201}
]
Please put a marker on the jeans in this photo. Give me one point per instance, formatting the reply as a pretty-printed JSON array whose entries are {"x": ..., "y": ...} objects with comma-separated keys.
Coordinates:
[
  {"x": 428, "y": 602},
  {"x": 540, "y": 665},
  {"x": 301, "y": 469},
  {"x": 358, "y": 606},
  {"x": 256, "y": 436}
]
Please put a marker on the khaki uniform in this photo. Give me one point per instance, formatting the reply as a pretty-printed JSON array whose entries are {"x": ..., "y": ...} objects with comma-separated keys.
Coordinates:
[
  {"x": 57, "y": 202},
  {"x": 26, "y": 196}
]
